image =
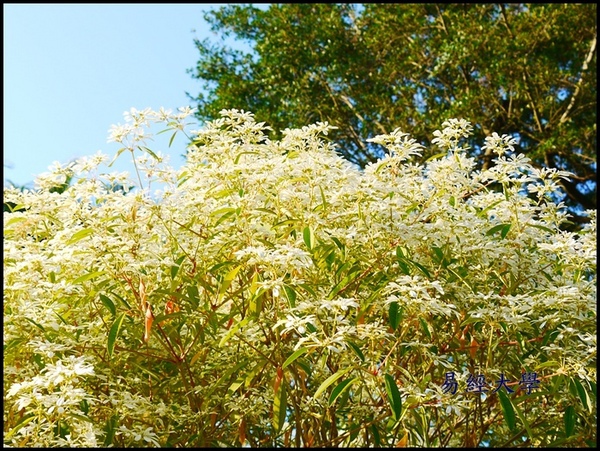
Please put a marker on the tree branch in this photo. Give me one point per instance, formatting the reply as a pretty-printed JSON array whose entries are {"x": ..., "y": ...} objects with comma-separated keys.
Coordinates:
[{"x": 584, "y": 68}]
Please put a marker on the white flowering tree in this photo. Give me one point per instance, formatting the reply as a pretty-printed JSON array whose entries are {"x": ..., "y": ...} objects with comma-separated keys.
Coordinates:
[{"x": 270, "y": 294}]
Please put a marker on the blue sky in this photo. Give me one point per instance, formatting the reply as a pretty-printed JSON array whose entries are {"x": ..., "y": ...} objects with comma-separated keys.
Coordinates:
[{"x": 70, "y": 71}]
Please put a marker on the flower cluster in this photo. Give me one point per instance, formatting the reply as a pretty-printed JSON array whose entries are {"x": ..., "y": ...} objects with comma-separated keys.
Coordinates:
[{"x": 271, "y": 294}]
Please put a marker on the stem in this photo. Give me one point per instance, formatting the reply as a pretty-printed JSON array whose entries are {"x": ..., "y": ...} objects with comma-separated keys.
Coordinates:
[{"x": 136, "y": 169}]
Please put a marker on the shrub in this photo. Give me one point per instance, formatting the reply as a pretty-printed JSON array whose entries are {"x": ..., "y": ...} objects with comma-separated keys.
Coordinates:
[{"x": 271, "y": 294}]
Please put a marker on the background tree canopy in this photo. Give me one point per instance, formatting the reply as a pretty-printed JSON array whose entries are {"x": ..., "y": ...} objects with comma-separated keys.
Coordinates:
[{"x": 527, "y": 70}]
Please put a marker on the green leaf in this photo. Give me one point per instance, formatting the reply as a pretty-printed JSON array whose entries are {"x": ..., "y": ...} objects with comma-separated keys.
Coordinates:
[
  {"x": 393, "y": 396},
  {"x": 323, "y": 198},
  {"x": 337, "y": 391},
  {"x": 345, "y": 282},
  {"x": 356, "y": 350},
  {"x": 80, "y": 235},
  {"x": 524, "y": 421},
  {"x": 176, "y": 266},
  {"x": 119, "y": 152},
  {"x": 422, "y": 268},
  {"x": 22, "y": 422},
  {"x": 227, "y": 280},
  {"x": 583, "y": 396},
  {"x": 425, "y": 327},
  {"x": 110, "y": 429},
  {"x": 376, "y": 435},
  {"x": 294, "y": 356},
  {"x": 149, "y": 151},
  {"x": 395, "y": 315},
  {"x": 502, "y": 228},
  {"x": 507, "y": 409},
  {"x": 114, "y": 333},
  {"x": 230, "y": 212},
  {"x": 505, "y": 230},
  {"x": 87, "y": 277},
  {"x": 108, "y": 304},
  {"x": 14, "y": 220},
  {"x": 330, "y": 380},
  {"x": 436, "y": 156},
  {"x": 234, "y": 387},
  {"x": 291, "y": 295},
  {"x": 279, "y": 407},
  {"x": 545, "y": 229},
  {"x": 309, "y": 237},
  {"x": 569, "y": 419},
  {"x": 237, "y": 159},
  {"x": 232, "y": 331}
]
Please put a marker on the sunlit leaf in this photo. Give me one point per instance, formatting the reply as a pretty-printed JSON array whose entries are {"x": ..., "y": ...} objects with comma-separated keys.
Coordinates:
[
  {"x": 114, "y": 333},
  {"x": 394, "y": 397}
]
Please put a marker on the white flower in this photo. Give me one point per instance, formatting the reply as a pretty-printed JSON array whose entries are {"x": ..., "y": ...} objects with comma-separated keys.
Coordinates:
[
  {"x": 454, "y": 129},
  {"x": 499, "y": 144}
]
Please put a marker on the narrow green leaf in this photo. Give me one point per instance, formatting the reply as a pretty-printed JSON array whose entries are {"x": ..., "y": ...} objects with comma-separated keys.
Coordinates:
[
  {"x": 421, "y": 268},
  {"x": 110, "y": 428},
  {"x": 234, "y": 387},
  {"x": 193, "y": 294},
  {"x": 87, "y": 277},
  {"x": 81, "y": 234},
  {"x": 439, "y": 253},
  {"x": 165, "y": 316},
  {"x": 393, "y": 396},
  {"x": 339, "y": 244},
  {"x": 252, "y": 374},
  {"x": 323, "y": 199},
  {"x": 228, "y": 279},
  {"x": 436, "y": 156},
  {"x": 233, "y": 369},
  {"x": 376, "y": 435},
  {"x": 343, "y": 284},
  {"x": 505, "y": 230},
  {"x": 149, "y": 151},
  {"x": 393, "y": 311},
  {"x": 330, "y": 380},
  {"x": 13, "y": 220},
  {"x": 39, "y": 326},
  {"x": 498, "y": 228},
  {"x": 294, "y": 356},
  {"x": 308, "y": 236},
  {"x": 337, "y": 391},
  {"x": 524, "y": 421},
  {"x": 108, "y": 304},
  {"x": 279, "y": 407},
  {"x": 114, "y": 333},
  {"x": 291, "y": 295},
  {"x": 545, "y": 229},
  {"x": 232, "y": 331},
  {"x": 404, "y": 267},
  {"x": 569, "y": 418},
  {"x": 237, "y": 159},
  {"x": 425, "y": 327},
  {"x": 356, "y": 350},
  {"x": 585, "y": 400},
  {"x": 507, "y": 408},
  {"x": 172, "y": 139},
  {"x": 225, "y": 217},
  {"x": 119, "y": 152},
  {"x": 22, "y": 422}
]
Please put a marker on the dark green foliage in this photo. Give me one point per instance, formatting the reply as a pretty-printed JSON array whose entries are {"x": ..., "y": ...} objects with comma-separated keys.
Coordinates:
[{"x": 528, "y": 70}]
